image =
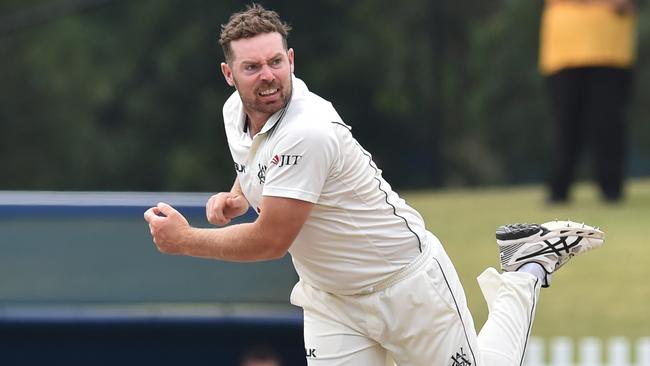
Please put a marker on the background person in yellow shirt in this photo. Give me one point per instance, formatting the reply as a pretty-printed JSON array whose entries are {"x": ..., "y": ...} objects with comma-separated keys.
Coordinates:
[{"x": 587, "y": 52}]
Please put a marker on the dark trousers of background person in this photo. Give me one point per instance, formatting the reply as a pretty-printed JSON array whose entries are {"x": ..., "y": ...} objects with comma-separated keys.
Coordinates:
[{"x": 589, "y": 106}]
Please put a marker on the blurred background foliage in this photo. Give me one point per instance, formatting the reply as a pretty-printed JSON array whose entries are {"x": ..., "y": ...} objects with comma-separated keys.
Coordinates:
[{"x": 127, "y": 95}]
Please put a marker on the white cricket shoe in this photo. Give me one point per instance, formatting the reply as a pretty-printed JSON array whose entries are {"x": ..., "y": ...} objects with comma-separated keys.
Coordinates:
[{"x": 550, "y": 244}]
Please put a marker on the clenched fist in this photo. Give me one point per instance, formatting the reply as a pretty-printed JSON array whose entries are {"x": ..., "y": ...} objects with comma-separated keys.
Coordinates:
[
  {"x": 168, "y": 228},
  {"x": 225, "y": 206}
]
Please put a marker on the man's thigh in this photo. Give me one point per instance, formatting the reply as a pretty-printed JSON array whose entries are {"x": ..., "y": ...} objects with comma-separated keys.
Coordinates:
[
  {"x": 428, "y": 322},
  {"x": 330, "y": 343}
]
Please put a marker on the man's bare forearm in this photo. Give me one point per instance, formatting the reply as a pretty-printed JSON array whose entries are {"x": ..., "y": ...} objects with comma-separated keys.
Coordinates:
[{"x": 235, "y": 243}]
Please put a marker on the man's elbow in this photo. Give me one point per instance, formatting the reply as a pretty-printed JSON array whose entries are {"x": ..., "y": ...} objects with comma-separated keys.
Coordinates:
[
  {"x": 277, "y": 255},
  {"x": 278, "y": 248}
]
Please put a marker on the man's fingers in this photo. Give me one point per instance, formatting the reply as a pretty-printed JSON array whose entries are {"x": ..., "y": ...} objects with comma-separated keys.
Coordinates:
[
  {"x": 236, "y": 205},
  {"x": 165, "y": 209},
  {"x": 217, "y": 218},
  {"x": 208, "y": 208},
  {"x": 215, "y": 207},
  {"x": 150, "y": 214}
]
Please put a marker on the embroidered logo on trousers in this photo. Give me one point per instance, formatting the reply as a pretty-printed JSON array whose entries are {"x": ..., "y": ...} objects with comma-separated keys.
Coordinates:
[
  {"x": 310, "y": 352},
  {"x": 460, "y": 359}
]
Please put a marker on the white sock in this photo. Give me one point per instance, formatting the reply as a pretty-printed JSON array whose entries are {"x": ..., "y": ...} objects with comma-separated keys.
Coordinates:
[{"x": 536, "y": 270}]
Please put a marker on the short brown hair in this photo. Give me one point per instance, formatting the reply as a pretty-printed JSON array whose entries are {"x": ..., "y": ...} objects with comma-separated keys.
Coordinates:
[{"x": 249, "y": 23}]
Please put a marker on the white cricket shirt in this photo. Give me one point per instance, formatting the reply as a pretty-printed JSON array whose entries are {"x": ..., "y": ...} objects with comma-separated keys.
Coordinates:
[{"x": 359, "y": 231}]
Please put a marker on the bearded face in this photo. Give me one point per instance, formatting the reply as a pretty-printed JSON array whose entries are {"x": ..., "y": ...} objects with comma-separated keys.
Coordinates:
[{"x": 261, "y": 71}]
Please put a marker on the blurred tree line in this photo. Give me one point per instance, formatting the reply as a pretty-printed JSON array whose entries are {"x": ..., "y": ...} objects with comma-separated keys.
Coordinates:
[{"x": 127, "y": 95}]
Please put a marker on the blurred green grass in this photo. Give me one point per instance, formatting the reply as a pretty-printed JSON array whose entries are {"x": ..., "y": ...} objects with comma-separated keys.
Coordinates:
[{"x": 602, "y": 293}]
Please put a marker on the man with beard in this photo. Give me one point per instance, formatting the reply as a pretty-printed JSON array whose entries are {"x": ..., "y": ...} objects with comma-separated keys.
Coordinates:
[{"x": 374, "y": 283}]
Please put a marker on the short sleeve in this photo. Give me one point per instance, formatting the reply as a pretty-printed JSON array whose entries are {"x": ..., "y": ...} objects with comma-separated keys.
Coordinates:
[{"x": 301, "y": 161}]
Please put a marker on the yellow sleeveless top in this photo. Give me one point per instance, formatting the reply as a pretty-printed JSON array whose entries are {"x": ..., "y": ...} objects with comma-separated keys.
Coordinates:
[{"x": 578, "y": 34}]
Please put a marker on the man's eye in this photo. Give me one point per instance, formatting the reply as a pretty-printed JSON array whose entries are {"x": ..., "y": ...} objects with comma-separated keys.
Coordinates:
[
  {"x": 277, "y": 61},
  {"x": 250, "y": 67}
]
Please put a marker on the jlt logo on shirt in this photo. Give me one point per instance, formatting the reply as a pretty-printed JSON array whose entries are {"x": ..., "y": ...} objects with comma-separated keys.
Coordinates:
[{"x": 282, "y": 160}]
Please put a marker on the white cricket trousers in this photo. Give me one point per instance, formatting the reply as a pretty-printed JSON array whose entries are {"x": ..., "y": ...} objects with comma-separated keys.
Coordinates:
[{"x": 419, "y": 317}]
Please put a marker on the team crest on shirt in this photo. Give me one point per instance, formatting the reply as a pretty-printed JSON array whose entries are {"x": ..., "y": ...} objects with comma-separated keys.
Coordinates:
[
  {"x": 460, "y": 359},
  {"x": 261, "y": 173},
  {"x": 285, "y": 160}
]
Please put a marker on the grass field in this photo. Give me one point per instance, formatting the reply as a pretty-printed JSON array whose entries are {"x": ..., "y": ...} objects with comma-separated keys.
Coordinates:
[{"x": 602, "y": 293}]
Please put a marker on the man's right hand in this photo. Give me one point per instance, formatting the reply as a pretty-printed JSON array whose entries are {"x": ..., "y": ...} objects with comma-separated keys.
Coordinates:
[{"x": 225, "y": 206}]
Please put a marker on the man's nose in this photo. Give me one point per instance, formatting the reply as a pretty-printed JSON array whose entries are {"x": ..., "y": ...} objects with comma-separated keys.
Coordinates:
[{"x": 266, "y": 73}]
